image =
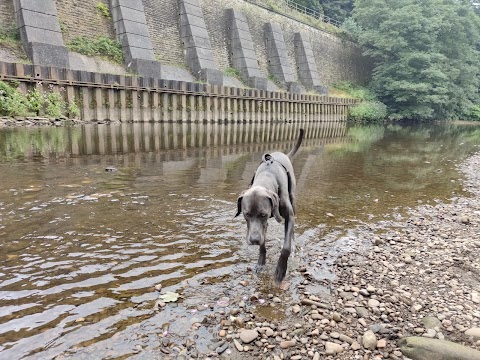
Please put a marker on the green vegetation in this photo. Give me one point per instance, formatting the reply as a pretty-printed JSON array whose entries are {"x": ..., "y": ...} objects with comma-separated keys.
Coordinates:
[
  {"x": 232, "y": 73},
  {"x": 369, "y": 109},
  {"x": 100, "y": 46},
  {"x": 103, "y": 9},
  {"x": 10, "y": 39},
  {"x": 335, "y": 9},
  {"x": 35, "y": 103},
  {"x": 425, "y": 54}
]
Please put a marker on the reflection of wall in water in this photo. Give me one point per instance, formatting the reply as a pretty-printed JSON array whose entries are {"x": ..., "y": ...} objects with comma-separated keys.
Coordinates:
[
  {"x": 154, "y": 137},
  {"x": 162, "y": 140}
]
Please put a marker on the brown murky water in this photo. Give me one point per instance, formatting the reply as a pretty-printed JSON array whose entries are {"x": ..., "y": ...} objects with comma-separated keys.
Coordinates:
[{"x": 82, "y": 248}]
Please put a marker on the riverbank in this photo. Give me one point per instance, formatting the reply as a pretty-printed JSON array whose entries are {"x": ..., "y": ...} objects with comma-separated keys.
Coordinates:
[{"x": 415, "y": 276}]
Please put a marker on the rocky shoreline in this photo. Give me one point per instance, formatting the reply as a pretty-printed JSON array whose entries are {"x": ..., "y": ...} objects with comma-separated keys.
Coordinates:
[
  {"x": 417, "y": 277},
  {"x": 29, "y": 121}
]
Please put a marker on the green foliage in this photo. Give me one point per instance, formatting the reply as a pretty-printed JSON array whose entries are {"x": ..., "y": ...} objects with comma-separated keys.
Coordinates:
[
  {"x": 9, "y": 35},
  {"x": 368, "y": 111},
  {"x": 356, "y": 91},
  {"x": 103, "y": 10},
  {"x": 425, "y": 55},
  {"x": 232, "y": 72},
  {"x": 100, "y": 46},
  {"x": 472, "y": 113},
  {"x": 73, "y": 110},
  {"x": 35, "y": 102},
  {"x": 12, "y": 101},
  {"x": 339, "y": 10},
  {"x": 350, "y": 29},
  {"x": 54, "y": 104},
  {"x": 10, "y": 38}
]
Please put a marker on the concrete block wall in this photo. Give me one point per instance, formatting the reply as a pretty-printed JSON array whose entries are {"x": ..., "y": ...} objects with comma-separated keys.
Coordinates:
[
  {"x": 82, "y": 18},
  {"x": 131, "y": 29},
  {"x": 306, "y": 66},
  {"x": 40, "y": 32},
  {"x": 336, "y": 58},
  {"x": 196, "y": 43},
  {"x": 7, "y": 15},
  {"x": 164, "y": 32},
  {"x": 242, "y": 50}
]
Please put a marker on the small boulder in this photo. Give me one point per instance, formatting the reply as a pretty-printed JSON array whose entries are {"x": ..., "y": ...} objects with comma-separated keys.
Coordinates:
[{"x": 247, "y": 336}]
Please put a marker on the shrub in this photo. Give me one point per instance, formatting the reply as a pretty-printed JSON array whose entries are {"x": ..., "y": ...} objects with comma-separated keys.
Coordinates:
[
  {"x": 473, "y": 113},
  {"x": 356, "y": 91},
  {"x": 101, "y": 46},
  {"x": 368, "y": 111},
  {"x": 73, "y": 110},
  {"x": 12, "y": 101},
  {"x": 54, "y": 104}
]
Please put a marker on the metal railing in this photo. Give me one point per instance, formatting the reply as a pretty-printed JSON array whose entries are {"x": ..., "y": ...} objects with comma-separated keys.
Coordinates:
[{"x": 285, "y": 6}]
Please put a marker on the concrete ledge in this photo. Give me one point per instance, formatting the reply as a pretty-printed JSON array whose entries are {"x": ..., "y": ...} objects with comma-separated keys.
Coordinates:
[
  {"x": 48, "y": 54},
  {"x": 147, "y": 68},
  {"x": 211, "y": 76}
]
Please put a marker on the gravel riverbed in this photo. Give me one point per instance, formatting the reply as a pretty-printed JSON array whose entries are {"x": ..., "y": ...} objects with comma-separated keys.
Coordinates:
[{"x": 417, "y": 275}]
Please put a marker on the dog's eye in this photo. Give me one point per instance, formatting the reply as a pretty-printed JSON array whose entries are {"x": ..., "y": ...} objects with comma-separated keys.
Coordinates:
[{"x": 264, "y": 215}]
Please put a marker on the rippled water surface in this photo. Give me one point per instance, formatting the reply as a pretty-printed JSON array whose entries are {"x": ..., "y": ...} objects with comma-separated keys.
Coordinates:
[{"x": 82, "y": 248}]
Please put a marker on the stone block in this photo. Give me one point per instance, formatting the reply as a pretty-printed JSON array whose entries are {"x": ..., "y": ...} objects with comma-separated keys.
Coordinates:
[
  {"x": 241, "y": 34},
  {"x": 48, "y": 54},
  {"x": 294, "y": 87},
  {"x": 149, "y": 68},
  {"x": 124, "y": 13},
  {"x": 43, "y": 7},
  {"x": 235, "y": 14},
  {"x": 191, "y": 2},
  {"x": 257, "y": 82},
  {"x": 194, "y": 21},
  {"x": 212, "y": 76},
  {"x": 131, "y": 53},
  {"x": 238, "y": 45},
  {"x": 322, "y": 90},
  {"x": 37, "y": 20},
  {"x": 132, "y": 4},
  {"x": 188, "y": 30},
  {"x": 194, "y": 41},
  {"x": 189, "y": 9},
  {"x": 132, "y": 27},
  {"x": 30, "y": 34},
  {"x": 138, "y": 41}
]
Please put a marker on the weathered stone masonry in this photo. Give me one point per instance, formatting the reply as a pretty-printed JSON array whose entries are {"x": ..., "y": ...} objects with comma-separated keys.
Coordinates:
[{"x": 336, "y": 59}]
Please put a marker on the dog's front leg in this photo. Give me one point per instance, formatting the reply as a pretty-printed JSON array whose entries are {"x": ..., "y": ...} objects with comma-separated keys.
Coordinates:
[
  {"x": 287, "y": 247},
  {"x": 261, "y": 258}
]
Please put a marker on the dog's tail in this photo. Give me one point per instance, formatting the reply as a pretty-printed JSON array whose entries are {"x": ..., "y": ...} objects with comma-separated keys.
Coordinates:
[{"x": 297, "y": 145}]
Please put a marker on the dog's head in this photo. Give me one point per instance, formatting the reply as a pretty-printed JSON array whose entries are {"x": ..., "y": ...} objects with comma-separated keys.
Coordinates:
[{"x": 258, "y": 205}]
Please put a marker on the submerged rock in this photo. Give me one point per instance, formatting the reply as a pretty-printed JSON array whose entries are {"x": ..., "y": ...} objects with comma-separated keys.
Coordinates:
[{"x": 420, "y": 348}]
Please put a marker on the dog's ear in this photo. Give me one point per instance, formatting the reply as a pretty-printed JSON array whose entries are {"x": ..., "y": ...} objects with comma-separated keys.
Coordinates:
[
  {"x": 274, "y": 202},
  {"x": 239, "y": 205}
]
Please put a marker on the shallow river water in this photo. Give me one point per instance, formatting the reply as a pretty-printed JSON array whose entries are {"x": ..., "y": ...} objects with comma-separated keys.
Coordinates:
[{"x": 93, "y": 217}]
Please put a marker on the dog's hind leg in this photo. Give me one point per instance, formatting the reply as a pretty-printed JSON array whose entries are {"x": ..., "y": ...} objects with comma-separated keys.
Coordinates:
[{"x": 261, "y": 258}]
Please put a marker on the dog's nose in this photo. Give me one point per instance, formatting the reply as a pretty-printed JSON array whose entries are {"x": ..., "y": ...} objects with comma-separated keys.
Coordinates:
[{"x": 254, "y": 241}]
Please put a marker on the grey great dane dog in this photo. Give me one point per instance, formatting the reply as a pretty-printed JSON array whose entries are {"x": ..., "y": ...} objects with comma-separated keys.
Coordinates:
[{"x": 271, "y": 194}]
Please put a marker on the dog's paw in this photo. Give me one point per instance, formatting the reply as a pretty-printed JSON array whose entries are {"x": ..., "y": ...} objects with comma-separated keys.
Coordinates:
[
  {"x": 259, "y": 268},
  {"x": 280, "y": 274}
]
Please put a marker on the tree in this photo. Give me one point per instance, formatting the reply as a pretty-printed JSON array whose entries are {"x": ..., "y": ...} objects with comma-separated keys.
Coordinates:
[
  {"x": 337, "y": 9},
  {"x": 425, "y": 55}
]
